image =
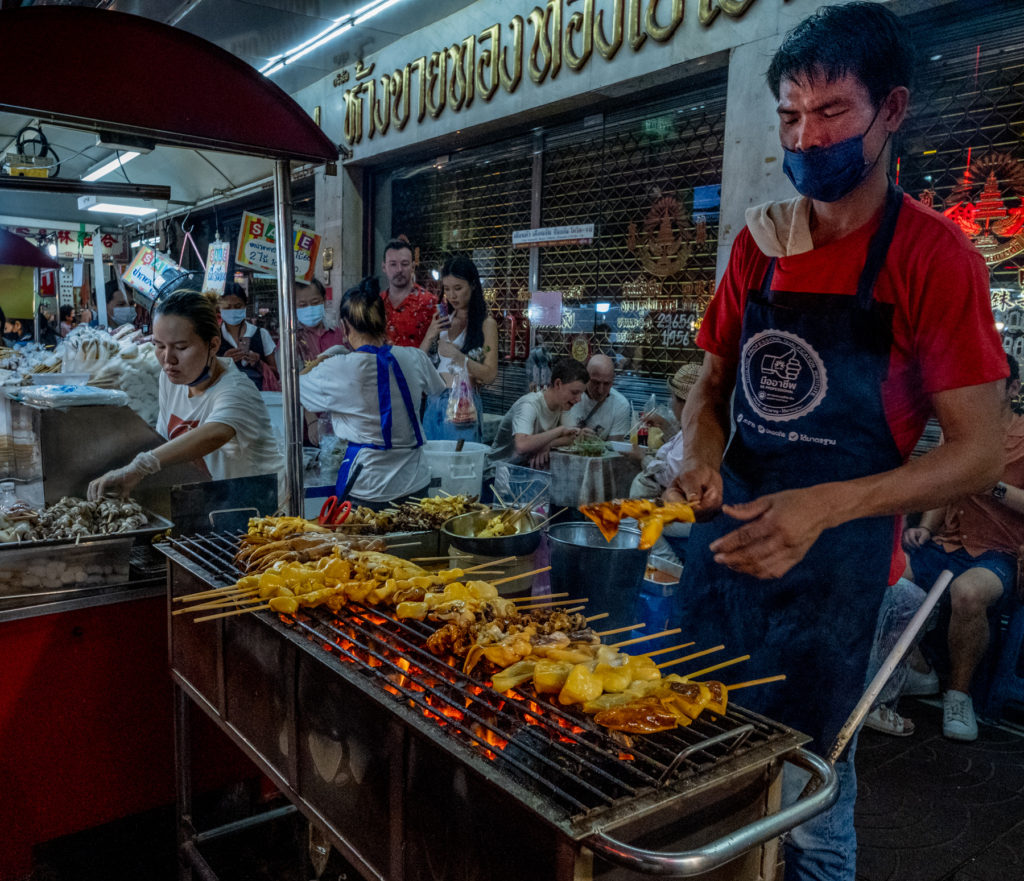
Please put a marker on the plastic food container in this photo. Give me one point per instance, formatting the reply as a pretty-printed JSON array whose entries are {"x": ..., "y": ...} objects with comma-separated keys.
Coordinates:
[{"x": 456, "y": 473}]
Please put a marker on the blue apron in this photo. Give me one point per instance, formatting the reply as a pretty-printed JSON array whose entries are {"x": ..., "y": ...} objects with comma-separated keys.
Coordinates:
[
  {"x": 807, "y": 409},
  {"x": 386, "y": 363}
]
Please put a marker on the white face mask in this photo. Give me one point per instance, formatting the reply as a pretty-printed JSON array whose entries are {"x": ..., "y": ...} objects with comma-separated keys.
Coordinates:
[
  {"x": 123, "y": 314},
  {"x": 232, "y": 317},
  {"x": 310, "y": 316}
]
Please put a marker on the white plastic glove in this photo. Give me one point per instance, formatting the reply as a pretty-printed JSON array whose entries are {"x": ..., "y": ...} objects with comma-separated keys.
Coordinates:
[{"x": 121, "y": 481}]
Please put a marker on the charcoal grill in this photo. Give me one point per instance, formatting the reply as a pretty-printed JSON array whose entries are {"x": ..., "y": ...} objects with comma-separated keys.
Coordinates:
[{"x": 414, "y": 770}]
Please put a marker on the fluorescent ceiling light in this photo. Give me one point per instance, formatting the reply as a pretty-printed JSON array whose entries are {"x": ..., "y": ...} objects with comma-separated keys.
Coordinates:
[
  {"x": 359, "y": 19},
  {"x": 130, "y": 210},
  {"x": 113, "y": 165},
  {"x": 335, "y": 29}
]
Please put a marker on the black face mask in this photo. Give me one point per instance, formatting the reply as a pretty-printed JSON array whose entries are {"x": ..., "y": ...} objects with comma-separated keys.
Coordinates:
[{"x": 203, "y": 376}]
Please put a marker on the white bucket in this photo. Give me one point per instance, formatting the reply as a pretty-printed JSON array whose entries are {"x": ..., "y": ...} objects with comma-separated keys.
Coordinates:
[{"x": 459, "y": 473}]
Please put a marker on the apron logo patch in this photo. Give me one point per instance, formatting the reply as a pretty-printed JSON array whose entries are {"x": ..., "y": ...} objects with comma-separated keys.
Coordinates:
[{"x": 783, "y": 377}]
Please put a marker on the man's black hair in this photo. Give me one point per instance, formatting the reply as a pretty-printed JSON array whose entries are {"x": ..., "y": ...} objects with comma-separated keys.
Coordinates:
[
  {"x": 398, "y": 245},
  {"x": 569, "y": 370},
  {"x": 1014, "y": 370},
  {"x": 865, "y": 40}
]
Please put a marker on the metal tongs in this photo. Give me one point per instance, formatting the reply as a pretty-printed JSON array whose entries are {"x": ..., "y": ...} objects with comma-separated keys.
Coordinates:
[{"x": 882, "y": 676}]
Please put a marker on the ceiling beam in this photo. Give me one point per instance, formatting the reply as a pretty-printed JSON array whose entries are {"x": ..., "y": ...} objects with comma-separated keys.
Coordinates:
[{"x": 157, "y": 192}]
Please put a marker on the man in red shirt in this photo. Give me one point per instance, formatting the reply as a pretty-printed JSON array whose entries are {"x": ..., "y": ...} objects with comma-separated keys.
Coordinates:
[
  {"x": 977, "y": 538},
  {"x": 844, "y": 319},
  {"x": 410, "y": 307}
]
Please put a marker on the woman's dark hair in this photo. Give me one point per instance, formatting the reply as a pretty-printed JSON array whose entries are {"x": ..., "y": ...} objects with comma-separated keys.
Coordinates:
[
  {"x": 112, "y": 289},
  {"x": 865, "y": 40},
  {"x": 569, "y": 370},
  {"x": 65, "y": 312},
  {"x": 198, "y": 308},
  {"x": 1014, "y": 370},
  {"x": 462, "y": 267},
  {"x": 363, "y": 308},
  {"x": 234, "y": 289}
]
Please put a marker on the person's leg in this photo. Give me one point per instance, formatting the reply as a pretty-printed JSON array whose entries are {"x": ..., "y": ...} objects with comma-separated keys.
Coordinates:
[
  {"x": 825, "y": 847},
  {"x": 971, "y": 594}
]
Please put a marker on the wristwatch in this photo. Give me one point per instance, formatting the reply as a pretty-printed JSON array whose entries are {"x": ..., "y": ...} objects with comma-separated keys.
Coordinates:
[{"x": 999, "y": 491}]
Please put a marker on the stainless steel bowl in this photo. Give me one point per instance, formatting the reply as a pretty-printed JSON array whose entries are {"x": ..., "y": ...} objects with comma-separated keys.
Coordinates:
[{"x": 461, "y": 534}]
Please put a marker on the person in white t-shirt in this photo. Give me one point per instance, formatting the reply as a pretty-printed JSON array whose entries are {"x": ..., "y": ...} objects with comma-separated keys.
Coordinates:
[
  {"x": 532, "y": 426},
  {"x": 601, "y": 409},
  {"x": 373, "y": 395},
  {"x": 209, "y": 410}
]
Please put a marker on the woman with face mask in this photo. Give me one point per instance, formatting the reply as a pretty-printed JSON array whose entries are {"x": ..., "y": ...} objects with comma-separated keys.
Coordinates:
[
  {"x": 120, "y": 311},
  {"x": 249, "y": 346},
  {"x": 373, "y": 395},
  {"x": 210, "y": 412},
  {"x": 313, "y": 336},
  {"x": 467, "y": 339}
]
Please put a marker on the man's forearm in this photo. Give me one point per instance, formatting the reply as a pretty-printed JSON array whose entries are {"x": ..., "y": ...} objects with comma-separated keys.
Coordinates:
[
  {"x": 531, "y": 444},
  {"x": 932, "y": 481}
]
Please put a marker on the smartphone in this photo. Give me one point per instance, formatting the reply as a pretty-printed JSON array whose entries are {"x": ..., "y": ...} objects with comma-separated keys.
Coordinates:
[{"x": 442, "y": 309}]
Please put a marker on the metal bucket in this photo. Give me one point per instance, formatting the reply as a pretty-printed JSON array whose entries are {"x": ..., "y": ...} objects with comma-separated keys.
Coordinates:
[{"x": 608, "y": 572}]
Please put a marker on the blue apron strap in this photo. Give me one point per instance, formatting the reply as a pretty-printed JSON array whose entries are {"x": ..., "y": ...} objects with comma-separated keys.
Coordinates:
[
  {"x": 351, "y": 451},
  {"x": 879, "y": 247},
  {"x": 386, "y": 362},
  {"x": 403, "y": 388}
]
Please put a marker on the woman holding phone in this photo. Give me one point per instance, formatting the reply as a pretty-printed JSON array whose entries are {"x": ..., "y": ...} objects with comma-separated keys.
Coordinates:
[{"x": 467, "y": 339}]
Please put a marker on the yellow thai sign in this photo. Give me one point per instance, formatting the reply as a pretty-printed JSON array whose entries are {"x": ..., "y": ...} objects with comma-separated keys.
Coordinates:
[{"x": 536, "y": 48}]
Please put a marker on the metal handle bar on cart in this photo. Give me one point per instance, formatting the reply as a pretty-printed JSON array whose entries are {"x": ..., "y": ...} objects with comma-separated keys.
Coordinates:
[
  {"x": 710, "y": 856},
  {"x": 818, "y": 795},
  {"x": 892, "y": 661}
]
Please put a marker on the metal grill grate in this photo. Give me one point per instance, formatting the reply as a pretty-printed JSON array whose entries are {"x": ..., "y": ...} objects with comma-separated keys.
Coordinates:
[{"x": 553, "y": 751}]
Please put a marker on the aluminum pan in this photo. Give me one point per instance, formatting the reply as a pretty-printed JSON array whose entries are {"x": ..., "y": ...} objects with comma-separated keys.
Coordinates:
[{"x": 156, "y": 525}]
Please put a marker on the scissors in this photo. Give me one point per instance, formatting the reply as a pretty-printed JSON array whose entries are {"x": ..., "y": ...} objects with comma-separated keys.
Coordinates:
[{"x": 334, "y": 512}]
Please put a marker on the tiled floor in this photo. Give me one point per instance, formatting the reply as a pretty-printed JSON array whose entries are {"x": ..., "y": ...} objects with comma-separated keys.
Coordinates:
[
  {"x": 931, "y": 809},
  {"x": 928, "y": 810}
]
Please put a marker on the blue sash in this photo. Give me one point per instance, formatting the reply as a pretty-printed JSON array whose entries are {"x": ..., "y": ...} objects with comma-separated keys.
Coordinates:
[{"x": 386, "y": 364}]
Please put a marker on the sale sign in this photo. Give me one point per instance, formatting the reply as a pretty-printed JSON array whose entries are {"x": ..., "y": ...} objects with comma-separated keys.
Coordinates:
[
  {"x": 217, "y": 258},
  {"x": 257, "y": 247},
  {"x": 146, "y": 271}
]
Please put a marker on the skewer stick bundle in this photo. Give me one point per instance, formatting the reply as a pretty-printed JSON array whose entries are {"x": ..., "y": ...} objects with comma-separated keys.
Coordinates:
[
  {"x": 712, "y": 669},
  {"x": 700, "y": 654},
  {"x": 520, "y": 575},
  {"x": 232, "y": 612},
  {"x": 622, "y": 629},
  {"x": 760, "y": 681},
  {"x": 547, "y": 596},
  {"x": 550, "y": 605},
  {"x": 672, "y": 632}
]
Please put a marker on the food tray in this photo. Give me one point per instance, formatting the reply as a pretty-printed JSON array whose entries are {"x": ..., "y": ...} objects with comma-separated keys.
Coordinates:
[
  {"x": 90, "y": 561},
  {"x": 154, "y": 527}
]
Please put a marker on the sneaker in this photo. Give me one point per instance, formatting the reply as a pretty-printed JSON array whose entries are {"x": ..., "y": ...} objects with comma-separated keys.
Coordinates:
[
  {"x": 958, "y": 720},
  {"x": 919, "y": 683},
  {"x": 888, "y": 721}
]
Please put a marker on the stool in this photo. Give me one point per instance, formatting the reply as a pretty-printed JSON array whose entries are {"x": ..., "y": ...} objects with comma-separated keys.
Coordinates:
[{"x": 1007, "y": 684}]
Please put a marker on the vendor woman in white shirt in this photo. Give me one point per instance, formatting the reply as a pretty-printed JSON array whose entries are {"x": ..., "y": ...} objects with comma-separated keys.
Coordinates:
[
  {"x": 373, "y": 394},
  {"x": 466, "y": 337},
  {"x": 250, "y": 347},
  {"x": 209, "y": 410}
]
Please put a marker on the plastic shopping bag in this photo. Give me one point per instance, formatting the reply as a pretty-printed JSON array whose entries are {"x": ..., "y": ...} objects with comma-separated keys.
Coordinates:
[{"x": 461, "y": 409}]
